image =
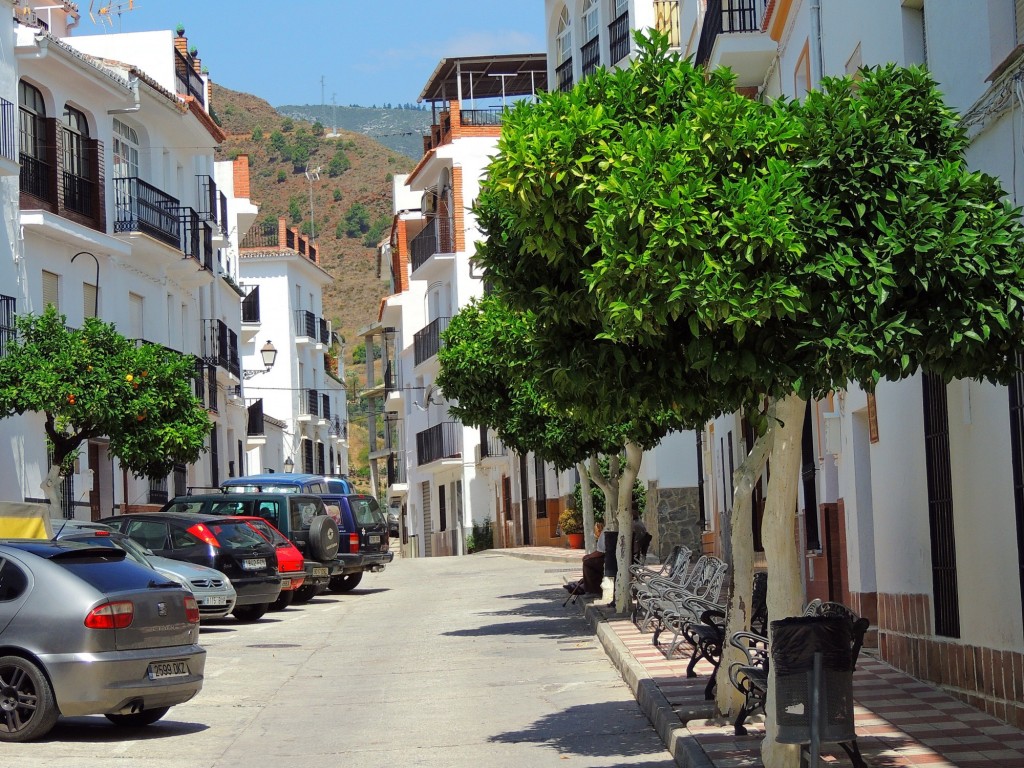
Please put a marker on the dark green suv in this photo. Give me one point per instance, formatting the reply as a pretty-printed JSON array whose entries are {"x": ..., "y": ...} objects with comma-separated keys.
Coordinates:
[{"x": 301, "y": 517}]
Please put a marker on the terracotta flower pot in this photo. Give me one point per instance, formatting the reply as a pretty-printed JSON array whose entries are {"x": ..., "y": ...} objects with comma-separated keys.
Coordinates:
[{"x": 575, "y": 540}]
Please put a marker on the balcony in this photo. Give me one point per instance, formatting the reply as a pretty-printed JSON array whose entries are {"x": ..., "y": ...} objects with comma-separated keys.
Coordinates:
[
  {"x": 196, "y": 238},
  {"x": 8, "y": 139},
  {"x": 7, "y": 329},
  {"x": 309, "y": 327},
  {"x": 190, "y": 83},
  {"x": 309, "y": 405},
  {"x": 732, "y": 37},
  {"x": 141, "y": 207},
  {"x": 206, "y": 384},
  {"x": 396, "y": 470},
  {"x": 441, "y": 441},
  {"x": 220, "y": 346},
  {"x": 278, "y": 237},
  {"x": 212, "y": 203},
  {"x": 427, "y": 342},
  {"x": 324, "y": 331},
  {"x": 251, "y": 304},
  {"x": 618, "y": 39},
  {"x": 325, "y": 406},
  {"x": 435, "y": 237},
  {"x": 563, "y": 75},
  {"x": 491, "y": 446},
  {"x": 261, "y": 236},
  {"x": 482, "y": 117},
  {"x": 255, "y": 431},
  {"x": 590, "y": 56},
  {"x": 35, "y": 178}
]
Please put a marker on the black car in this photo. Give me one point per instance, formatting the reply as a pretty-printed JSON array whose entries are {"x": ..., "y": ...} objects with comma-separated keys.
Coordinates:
[
  {"x": 301, "y": 517},
  {"x": 229, "y": 546},
  {"x": 363, "y": 529}
]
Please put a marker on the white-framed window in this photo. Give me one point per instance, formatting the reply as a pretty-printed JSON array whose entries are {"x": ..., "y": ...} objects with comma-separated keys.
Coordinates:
[
  {"x": 590, "y": 20},
  {"x": 126, "y": 150},
  {"x": 563, "y": 38},
  {"x": 619, "y": 7}
]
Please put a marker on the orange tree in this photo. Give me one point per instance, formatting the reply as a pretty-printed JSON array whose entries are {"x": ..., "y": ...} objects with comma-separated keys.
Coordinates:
[{"x": 93, "y": 382}]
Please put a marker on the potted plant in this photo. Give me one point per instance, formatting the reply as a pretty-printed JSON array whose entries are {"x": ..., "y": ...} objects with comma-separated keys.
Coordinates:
[{"x": 571, "y": 523}]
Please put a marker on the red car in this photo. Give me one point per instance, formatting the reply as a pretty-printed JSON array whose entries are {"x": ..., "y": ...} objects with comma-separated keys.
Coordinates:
[{"x": 290, "y": 562}]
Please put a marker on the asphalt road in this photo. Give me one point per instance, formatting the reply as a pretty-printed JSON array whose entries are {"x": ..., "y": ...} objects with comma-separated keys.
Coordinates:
[{"x": 436, "y": 662}]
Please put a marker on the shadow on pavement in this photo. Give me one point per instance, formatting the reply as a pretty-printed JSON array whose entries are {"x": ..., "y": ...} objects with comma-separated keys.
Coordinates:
[
  {"x": 553, "y": 628},
  {"x": 99, "y": 729},
  {"x": 609, "y": 729}
]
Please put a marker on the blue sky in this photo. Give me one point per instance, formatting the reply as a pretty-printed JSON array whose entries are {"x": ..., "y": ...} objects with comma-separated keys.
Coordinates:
[{"x": 368, "y": 51}]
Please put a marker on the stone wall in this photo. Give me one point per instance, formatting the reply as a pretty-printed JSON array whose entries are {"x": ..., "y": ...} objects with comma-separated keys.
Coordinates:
[{"x": 673, "y": 518}]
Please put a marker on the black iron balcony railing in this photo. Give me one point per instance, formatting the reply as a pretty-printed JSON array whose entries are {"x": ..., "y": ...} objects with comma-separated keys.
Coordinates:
[
  {"x": 309, "y": 402},
  {"x": 79, "y": 194},
  {"x": 305, "y": 323},
  {"x": 590, "y": 56},
  {"x": 482, "y": 117},
  {"x": 261, "y": 236},
  {"x": 196, "y": 238},
  {"x": 206, "y": 233},
  {"x": 325, "y": 405},
  {"x": 338, "y": 427},
  {"x": 255, "y": 426},
  {"x": 441, "y": 441},
  {"x": 324, "y": 329},
  {"x": 618, "y": 39},
  {"x": 726, "y": 16},
  {"x": 251, "y": 305},
  {"x": 490, "y": 444},
  {"x": 427, "y": 342},
  {"x": 220, "y": 346},
  {"x": 666, "y": 20},
  {"x": 34, "y": 177},
  {"x": 8, "y": 136},
  {"x": 396, "y": 469},
  {"x": 141, "y": 207},
  {"x": 208, "y": 198},
  {"x": 206, "y": 384},
  {"x": 390, "y": 379},
  {"x": 189, "y": 81},
  {"x": 435, "y": 237},
  {"x": 7, "y": 330},
  {"x": 563, "y": 75},
  {"x": 222, "y": 201}
]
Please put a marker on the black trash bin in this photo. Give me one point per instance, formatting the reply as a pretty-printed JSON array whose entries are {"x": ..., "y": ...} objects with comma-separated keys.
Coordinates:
[{"x": 795, "y": 641}]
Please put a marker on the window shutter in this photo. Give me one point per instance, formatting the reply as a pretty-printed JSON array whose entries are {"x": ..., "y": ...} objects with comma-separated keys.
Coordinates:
[
  {"x": 88, "y": 300},
  {"x": 51, "y": 290}
]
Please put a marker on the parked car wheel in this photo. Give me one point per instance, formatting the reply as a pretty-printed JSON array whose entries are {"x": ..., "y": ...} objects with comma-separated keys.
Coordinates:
[
  {"x": 323, "y": 537},
  {"x": 283, "y": 600},
  {"x": 304, "y": 594},
  {"x": 247, "y": 613},
  {"x": 138, "y": 719},
  {"x": 27, "y": 706},
  {"x": 345, "y": 583}
]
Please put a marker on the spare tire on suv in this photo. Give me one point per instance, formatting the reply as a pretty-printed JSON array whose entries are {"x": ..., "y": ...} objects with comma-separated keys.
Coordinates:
[{"x": 323, "y": 537}]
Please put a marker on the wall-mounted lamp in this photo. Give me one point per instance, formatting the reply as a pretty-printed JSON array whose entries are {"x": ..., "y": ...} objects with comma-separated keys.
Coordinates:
[
  {"x": 289, "y": 465},
  {"x": 96, "y": 294},
  {"x": 269, "y": 354}
]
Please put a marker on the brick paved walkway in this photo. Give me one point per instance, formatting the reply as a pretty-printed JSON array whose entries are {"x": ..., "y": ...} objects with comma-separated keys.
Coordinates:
[{"x": 901, "y": 722}]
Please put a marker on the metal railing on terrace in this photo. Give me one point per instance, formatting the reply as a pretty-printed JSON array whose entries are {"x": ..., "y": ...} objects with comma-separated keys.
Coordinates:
[
  {"x": 255, "y": 427},
  {"x": 435, "y": 237},
  {"x": 261, "y": 236},
  {"x": 196, "y": 238},
  {"x": 8, "y": 135},
  {"x": 34, "y": 177},
  {"x": 190, "y": 82},
  {"x": 427, "y": 341},
  {"x": 309, "y": 402},
  {"x": 306, "y": 324},
  {"x": 618, "y": 39},
  {"x": 727, "y": 16},
  {"x": 441, "y": 441},
  {"x": 220, "y": 346},
  {"x": 79, "y": 194},
  {"x": 209, "y": 200},
  {"x": 251, "y": 304},
  {"x": 141, "y": 207},
  {"x": 490, "y": 444},
  {"x": 491, "y": 116}
]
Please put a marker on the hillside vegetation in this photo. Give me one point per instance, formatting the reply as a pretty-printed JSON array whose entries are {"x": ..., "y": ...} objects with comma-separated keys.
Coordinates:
[
  {"x": 351, "y": 210},
  {"x": 400, "y": 128}
]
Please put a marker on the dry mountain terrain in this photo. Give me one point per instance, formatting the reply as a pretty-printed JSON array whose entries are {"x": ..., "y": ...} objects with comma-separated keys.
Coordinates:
[{"x": 351, "y": 208}]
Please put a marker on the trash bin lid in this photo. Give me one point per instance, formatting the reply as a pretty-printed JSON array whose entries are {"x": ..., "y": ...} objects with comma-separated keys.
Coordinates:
[{"x": 795, "y": 640}]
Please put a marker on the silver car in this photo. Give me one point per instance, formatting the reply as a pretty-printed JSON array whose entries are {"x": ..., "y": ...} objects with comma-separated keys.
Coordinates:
[
  {"x": 86, "y": 630},
  {"x": 212, "y": 589}
]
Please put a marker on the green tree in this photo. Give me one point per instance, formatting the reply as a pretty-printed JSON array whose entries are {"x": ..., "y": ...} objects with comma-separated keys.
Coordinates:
[
  {"x": 287, "y": 125},
  {"x": 318, "y": 128},
  {"x": 780, "y": 250},
  {"x": 299, "y": 156},
  {"x": 278, "y": 142},
  {"x": 257, "y": 133},
  {"x": 356, "y": 220},
  {"x": 295, "y": 209},
  {"x": 94, "y": 383},
  {"x": 281, "y": 177},
  {"x": 339, "y": 164},
  {"x": 376, "y": 231},
  {"x": 336, "y": 195}
]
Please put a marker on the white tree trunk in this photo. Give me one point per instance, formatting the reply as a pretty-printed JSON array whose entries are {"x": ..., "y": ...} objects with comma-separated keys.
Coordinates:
[
  {"x": 624, "y": 545},
  {"x": 745, "y": 477},
  {"x": 778, "y": 532},
  {"x": 587, "y": 504},
  {"x": 52, "y": 489}
]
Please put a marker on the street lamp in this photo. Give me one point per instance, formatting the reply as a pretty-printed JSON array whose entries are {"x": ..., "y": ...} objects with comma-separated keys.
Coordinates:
[
  {"x": 269, "y": 354},
  {"x": 96, "y": 294},
  {"x": 289, "y": 465}
]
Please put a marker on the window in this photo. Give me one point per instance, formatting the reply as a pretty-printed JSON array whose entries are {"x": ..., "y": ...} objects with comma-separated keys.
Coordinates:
[
  {"x": 136, "y": 313},
  {"x": 620, "y": 7},
  {"x": 151, "y": 534},
  {"x": 89, "y": 300},
  {"x": 563, "y": 39},
  {"x": 214, "y": 457},
  {"x": 590, "y": 19},
  {"x": 75, "y": 130},
  {"x": 32, "y": 114},
  {"x": 51, "y": 290},
  {"x": 126, "y": 151},
  {"x": 13, "y": 581},
  {"x": 1017, "y": 459},
  {"x": 442, "y": 510},
  {"x": 182, "y": 539},
  {"x": 540, "y": 478}
]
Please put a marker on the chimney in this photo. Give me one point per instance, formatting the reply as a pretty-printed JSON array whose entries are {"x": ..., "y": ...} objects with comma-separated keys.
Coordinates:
[{"x": 240, "y": 171}]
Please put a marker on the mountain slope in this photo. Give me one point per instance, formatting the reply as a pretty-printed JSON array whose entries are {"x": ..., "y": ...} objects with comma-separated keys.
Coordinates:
[{"x": 401, "y": 128}]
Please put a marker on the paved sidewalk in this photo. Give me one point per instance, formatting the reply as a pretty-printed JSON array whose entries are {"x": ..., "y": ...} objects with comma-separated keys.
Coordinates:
[{"x": 901, "y": 722}]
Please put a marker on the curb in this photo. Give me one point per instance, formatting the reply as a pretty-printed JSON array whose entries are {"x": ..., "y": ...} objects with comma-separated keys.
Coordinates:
[
  {"x": 537, "y": 556},
  {"x": 676, "y": 737}
]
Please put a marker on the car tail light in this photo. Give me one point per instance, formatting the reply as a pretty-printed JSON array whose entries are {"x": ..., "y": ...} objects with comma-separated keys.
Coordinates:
[
  {"x": 200, "y": 531},
  {"x": 353, "y": 543},
  {"x": 191, "y": 610},
  {"x": 117, "y": 615}
]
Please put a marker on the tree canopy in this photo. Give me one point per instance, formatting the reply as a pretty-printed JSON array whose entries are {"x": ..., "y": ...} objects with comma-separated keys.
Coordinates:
[{"x": 93, "y": 382}]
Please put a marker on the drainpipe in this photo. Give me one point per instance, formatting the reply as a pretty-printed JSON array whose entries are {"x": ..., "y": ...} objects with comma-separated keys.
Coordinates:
[
  {"x": 133, "y": 83},
  {"x": 816, "y": 56}
]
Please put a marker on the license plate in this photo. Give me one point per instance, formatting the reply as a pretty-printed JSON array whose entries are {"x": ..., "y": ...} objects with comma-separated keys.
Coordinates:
[
  {"x": 161, "y": 669},
  {"x": 319, "y": 571},
  {"x": 286, "y": 583},
  {"x": 256, "y": 564},
  {"x": 216, "y": 600},
  {"x": 374, "y": 539}
]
